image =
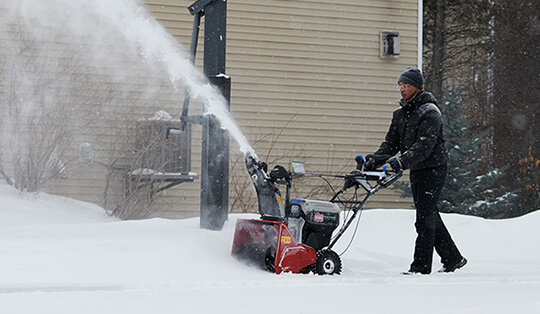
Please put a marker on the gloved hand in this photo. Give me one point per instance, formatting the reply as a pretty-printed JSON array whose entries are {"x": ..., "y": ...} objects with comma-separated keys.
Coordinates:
[
  {"x": 374, "y": 161},
  {"x": 395, "y": 163}
]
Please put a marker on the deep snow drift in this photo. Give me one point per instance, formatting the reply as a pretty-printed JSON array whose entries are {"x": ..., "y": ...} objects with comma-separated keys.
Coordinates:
[{"x": 58, "y": 255}]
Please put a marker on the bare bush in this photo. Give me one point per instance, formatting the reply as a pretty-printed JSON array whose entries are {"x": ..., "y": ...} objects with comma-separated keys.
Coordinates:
[
  {"x": 271, "y": 151},
  {"x": 40, "y": 113}
]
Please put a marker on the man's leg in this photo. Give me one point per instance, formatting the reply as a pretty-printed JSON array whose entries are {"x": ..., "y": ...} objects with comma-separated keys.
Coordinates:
[
  {"x": 426, "y": 186},
  {"x": 444, "y": 245}
]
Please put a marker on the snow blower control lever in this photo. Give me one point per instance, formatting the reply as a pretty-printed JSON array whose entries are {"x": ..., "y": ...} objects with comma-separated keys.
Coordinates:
[{"x": 298, "y": 235}]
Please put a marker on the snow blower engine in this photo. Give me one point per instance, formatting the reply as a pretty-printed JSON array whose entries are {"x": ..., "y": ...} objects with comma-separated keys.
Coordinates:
[{"x": 298, "y": 235}]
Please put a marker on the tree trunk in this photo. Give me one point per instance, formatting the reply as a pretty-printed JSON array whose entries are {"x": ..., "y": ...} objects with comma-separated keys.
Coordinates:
[
  {"x": 516, "y": 73},
  {"x": 436, "y": 75}
]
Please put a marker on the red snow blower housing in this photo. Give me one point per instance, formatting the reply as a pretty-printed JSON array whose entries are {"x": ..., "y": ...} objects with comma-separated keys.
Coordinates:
[{"x": 296, "y": 235}]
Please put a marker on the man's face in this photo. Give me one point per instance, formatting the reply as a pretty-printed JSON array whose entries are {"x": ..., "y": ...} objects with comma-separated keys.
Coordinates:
[{"x": 407, "y": 91}]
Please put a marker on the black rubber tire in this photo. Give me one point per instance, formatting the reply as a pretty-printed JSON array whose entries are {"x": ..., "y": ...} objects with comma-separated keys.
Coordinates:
[
  {"x": 269, "y": 259},
  {"x": 328, "y": 263}
]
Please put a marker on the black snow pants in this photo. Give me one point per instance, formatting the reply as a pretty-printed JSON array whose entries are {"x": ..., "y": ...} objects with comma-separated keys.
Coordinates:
[{"x": 426, "y": 187}]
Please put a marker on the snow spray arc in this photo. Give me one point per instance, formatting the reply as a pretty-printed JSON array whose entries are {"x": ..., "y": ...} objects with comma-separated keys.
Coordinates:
[
  {"x": 142, "y": 34},
  {"x": 158, "y": 46},
  {"x": 166, "y": 50}
]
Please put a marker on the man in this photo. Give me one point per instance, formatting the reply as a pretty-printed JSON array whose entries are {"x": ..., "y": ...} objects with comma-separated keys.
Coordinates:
[{"x": 417, "y": 132}]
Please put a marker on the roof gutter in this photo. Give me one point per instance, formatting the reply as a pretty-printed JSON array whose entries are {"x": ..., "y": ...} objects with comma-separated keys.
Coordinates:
[{"x": 420, "y": 32}]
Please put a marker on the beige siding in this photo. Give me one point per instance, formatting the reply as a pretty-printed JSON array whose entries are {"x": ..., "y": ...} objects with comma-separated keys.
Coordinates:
[
  {"x": 310, "y": 71},
  {"x": 307, "y": 84},
  {"x": 107, "y": 89}
]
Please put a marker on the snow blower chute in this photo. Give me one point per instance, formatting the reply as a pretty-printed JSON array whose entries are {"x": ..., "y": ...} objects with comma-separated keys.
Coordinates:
[{"x": 298, "y": 235}]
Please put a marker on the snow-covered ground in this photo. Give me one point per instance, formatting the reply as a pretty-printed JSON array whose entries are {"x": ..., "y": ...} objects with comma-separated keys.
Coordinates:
[{"x": 58, "y": 255}]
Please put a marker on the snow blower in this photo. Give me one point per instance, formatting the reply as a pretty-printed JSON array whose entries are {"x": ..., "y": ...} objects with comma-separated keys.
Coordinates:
[{"x": 296, "y": 235}]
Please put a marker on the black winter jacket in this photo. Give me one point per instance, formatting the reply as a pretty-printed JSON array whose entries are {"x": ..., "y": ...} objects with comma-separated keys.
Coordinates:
[{"x": 417, "y": 132}]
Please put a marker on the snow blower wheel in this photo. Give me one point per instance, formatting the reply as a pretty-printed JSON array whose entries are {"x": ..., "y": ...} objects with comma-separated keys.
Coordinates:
[
  {"x": 328, "y": 263},
  {"x": 270, "y": 259}
]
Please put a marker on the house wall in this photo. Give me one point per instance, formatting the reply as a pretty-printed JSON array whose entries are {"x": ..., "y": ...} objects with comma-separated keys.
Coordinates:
[
  {"x": 85, "y": 78},
  {"x": 307, "y": 84}
]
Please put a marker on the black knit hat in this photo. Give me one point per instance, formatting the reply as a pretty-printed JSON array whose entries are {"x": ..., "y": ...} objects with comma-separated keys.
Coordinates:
[{"x": 413, "y": 77}]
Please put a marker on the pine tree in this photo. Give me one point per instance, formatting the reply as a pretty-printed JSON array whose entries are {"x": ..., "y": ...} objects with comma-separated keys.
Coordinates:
[{"x": 528, "y": 184}]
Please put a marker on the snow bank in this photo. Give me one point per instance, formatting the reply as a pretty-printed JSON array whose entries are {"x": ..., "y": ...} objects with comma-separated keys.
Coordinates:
[{"x": 58, "y": 255}]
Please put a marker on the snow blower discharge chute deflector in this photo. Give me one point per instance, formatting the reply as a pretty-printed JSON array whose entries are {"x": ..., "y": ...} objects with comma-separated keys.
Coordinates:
[{"x": 297, "y": 235}]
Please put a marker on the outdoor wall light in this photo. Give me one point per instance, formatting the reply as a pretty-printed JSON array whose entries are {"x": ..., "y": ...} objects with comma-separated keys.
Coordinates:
[{"x": 390, "y": 44}]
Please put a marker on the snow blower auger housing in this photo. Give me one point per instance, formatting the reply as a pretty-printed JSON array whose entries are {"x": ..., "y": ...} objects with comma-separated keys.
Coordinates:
[{"x": 296, "y": 235}]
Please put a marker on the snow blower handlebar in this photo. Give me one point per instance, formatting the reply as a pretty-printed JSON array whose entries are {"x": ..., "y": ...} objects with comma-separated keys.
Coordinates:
[{"x": 360, "y": 177}]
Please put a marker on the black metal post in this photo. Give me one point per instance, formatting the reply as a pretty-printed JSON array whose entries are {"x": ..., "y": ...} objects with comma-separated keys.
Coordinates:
[
  {"x": 215, "y": 140},
  {"x": 215, "y": 166}
]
